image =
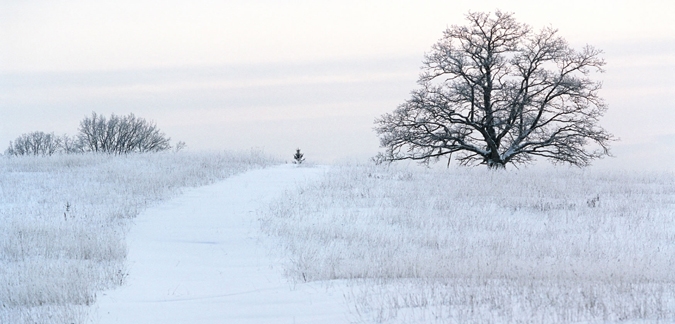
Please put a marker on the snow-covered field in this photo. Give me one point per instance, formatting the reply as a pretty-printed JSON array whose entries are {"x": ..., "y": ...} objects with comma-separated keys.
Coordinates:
[
  {"x": 64, "y": 221},
  {"x": 198, "y": 258},
  {"x": 470, "y": 245},
  {"x": 360, "y": 243}
]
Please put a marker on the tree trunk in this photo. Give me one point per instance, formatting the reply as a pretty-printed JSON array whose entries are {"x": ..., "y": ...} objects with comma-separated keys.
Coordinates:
[{"x": 496, "y": 164}]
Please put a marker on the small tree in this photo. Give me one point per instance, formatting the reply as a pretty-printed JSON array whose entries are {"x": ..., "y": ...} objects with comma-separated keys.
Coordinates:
[
  {"x": 496, "y": 92},
  {"x": 35, "y": 143},
  {"x": 298, "y": 157},
  {"x": 121, "y": 135},
  {"x": 180, "y": 146},
  {"x": 71, "y": 145}
]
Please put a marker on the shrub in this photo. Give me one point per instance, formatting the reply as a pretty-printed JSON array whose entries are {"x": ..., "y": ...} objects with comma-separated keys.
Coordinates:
[
  {"x": 121, "y": 135},
  {"x": 35, "y": 143}
]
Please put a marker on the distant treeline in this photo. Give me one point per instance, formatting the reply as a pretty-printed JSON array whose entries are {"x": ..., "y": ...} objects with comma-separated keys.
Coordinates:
[{"x": 113, "y": 135}]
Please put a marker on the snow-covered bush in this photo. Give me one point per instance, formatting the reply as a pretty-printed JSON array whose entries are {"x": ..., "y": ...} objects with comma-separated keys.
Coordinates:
[
  {"x": 469, "y": 245},
  {"x": 64, "y": 220}
]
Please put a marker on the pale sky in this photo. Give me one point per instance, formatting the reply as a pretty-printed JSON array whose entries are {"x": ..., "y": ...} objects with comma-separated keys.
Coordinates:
[{"x": 278, "y": 75}]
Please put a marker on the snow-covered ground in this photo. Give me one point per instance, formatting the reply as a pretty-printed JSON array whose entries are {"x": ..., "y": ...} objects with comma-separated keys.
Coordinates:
[
  {"x": 64, "y": 219},
  {"x": 198, "y": 258},
  {"x": 555, "y": 245},
  {"x": 360, "y": 243}
]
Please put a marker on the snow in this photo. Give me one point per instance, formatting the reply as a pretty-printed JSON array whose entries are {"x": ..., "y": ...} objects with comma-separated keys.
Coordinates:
[
  {"x": 469, "y": 245},
  {"x": 198, "y": 258},
  {"x": 381, "y": 244}
]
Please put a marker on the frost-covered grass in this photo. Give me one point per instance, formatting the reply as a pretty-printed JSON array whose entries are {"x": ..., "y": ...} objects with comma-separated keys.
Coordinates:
[
  {"x": 470, "y": 245},
  {"x": 64, "y": 219}
]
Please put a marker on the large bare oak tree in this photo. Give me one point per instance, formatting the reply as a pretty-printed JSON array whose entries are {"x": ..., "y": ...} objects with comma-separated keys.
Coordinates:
[{"x": 496, "y": 92}]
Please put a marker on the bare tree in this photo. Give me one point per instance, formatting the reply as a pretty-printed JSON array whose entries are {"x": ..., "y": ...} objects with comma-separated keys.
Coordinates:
[
  {"x": 71, "y": 145},
  {"x": 35, "y": 143},
  {"x": 121, "y": 135},
  {"x": 496, "y": 92}
]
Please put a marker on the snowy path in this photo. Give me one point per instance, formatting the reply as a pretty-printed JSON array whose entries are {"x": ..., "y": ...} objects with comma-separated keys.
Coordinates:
[{"x": 197, "y": 259}]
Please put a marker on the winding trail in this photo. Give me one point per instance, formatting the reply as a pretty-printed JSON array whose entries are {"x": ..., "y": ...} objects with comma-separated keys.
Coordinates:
[{"x": 197, "y": 259}]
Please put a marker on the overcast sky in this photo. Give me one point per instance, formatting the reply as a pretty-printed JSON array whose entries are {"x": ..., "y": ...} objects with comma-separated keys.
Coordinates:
[{"x": 278, "y": 75}]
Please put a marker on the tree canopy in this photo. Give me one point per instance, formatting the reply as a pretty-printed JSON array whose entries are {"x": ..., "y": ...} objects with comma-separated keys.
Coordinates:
[
  {"x": 496, "y": 92},
  {"x": 121, "y": 135}
]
